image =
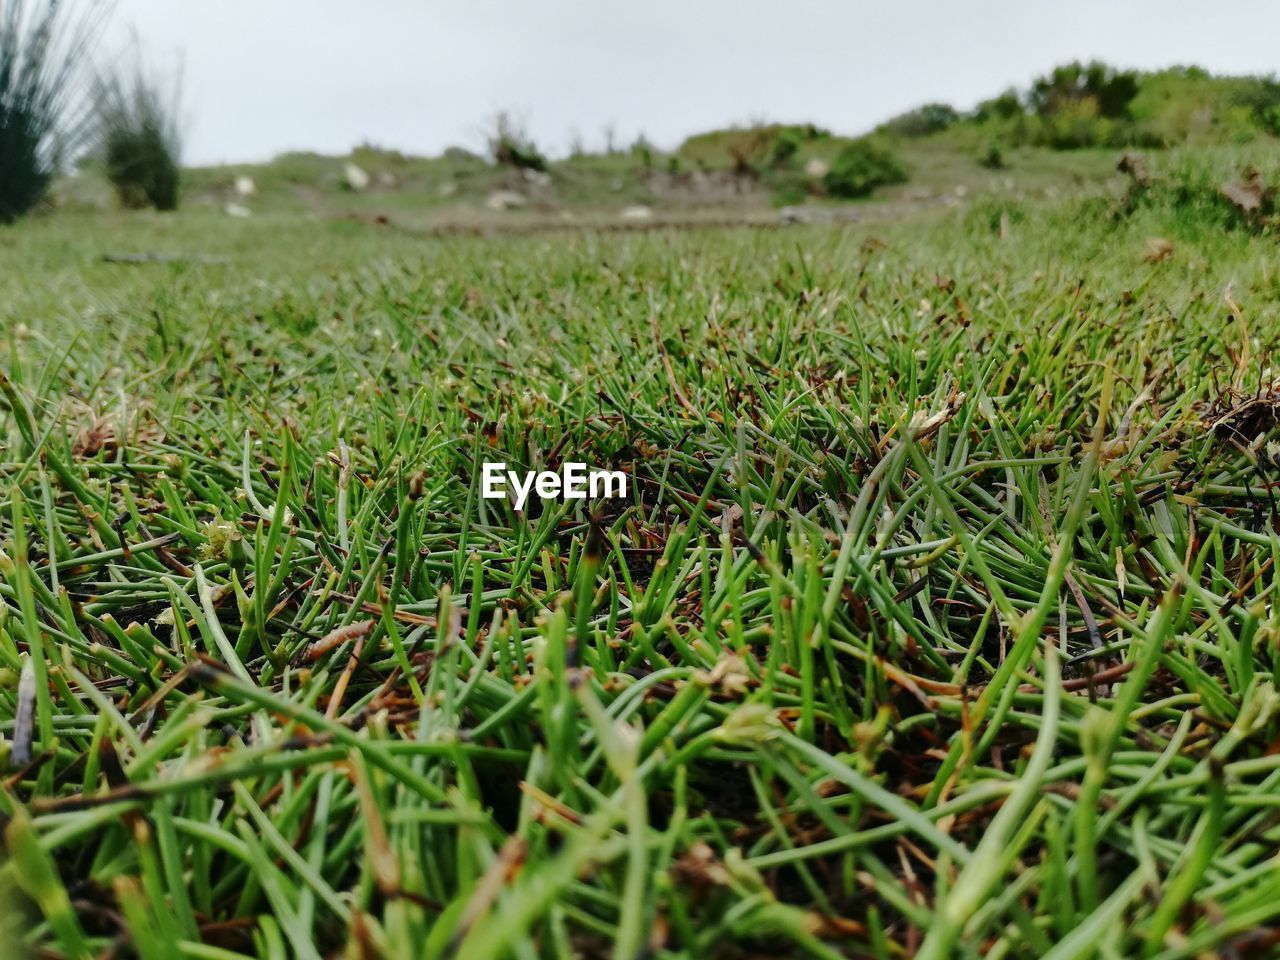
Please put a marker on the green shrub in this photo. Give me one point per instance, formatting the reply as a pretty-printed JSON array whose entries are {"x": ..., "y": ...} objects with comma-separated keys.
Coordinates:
[
  {"x": 785, "y": 147},
  {"x": 1205, "y": 192},
  {"x": 1077, "y": 125},
  {"x": 1270, "y": 118},
  {"x": 43, "y": 48},
  {"x": 922, "y": 121},
  {"x": 511, "y": 146},
  {"x": 1109, "y": 91},
  {"x": 1093, "y": 105},
  {"x": 750, "y": 150},
  {"x": 993, "y": 157},
  {"x": 1004, "y": 107},
  {"x": 140, "y": 139},
  {"x": 861, "y": 167}
]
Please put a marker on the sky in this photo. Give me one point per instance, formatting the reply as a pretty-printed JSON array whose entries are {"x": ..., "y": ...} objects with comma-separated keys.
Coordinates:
[{"x": 264, "y": 76}]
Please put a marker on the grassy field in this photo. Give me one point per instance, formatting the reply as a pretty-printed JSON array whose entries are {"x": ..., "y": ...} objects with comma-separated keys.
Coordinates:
[{"x": 939, "y": 622}]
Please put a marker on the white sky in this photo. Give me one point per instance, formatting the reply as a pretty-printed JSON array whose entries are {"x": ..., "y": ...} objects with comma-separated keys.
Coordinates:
[{"x": 263, "y": 76}]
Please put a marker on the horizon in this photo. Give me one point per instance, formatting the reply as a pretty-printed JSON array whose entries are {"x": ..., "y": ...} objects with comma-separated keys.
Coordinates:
[{"x": 401, "y": 63}]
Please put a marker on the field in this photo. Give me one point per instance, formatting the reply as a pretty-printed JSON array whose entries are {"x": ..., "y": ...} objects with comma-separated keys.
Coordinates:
[{"x": 939, "y": 620}]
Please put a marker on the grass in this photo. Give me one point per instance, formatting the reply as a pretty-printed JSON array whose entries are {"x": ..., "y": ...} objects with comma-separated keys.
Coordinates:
[
  {"x": 141, "y": 143},
  {"x": 939, "y": 622},
  {"x": 44, "y": 49}
]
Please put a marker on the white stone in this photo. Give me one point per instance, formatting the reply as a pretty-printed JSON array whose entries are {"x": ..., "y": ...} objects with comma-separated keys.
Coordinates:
[
  {"x": 245, "y": 187},
  {"x": 237, "y": 210},
  {"x": 816, "y": 168},
  {"x": 357, "y": 179},
  {"x": 637, "y": 214}
]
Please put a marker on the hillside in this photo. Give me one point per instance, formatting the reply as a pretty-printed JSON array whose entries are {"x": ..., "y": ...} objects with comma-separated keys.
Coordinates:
[{"x": 1064, "y": 133}]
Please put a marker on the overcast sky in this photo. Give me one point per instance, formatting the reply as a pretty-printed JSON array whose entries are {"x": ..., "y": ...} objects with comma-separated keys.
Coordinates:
[{"x": 264, "y": 76}]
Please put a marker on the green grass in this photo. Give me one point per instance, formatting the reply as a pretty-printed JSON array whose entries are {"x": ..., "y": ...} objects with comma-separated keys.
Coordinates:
[{"x": 938, "y": 623}]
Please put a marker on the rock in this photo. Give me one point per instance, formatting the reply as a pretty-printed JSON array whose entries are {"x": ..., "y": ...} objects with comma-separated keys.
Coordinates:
[
  {"x": 448, "y": 188},
  {"x": 505, "y": 200},
  {"x": 237, "y": 210},
  {"x": 816, "y": 169},
  {"x": 357, "y": 179},
  {"x": 387, "y": 180},
  {"x": 537, "y": 178},
  {"x": 637, "y": 214},
  {"x": 246, "y": 188}
]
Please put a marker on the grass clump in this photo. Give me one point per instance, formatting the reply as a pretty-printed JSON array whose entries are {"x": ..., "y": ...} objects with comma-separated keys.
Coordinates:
[
  {"x": 140, "y": 138},
  {"x": 992, "y": 158},
  {"x": 940, "y": 620},
  {"x": 1206, "y": 191},
  {"x": 44, "y": 47},
  {"x": 510, "y": 144}
]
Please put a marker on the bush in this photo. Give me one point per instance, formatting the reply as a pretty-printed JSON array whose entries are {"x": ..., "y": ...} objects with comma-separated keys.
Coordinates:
[
  {"x": 750, "y": 150},
  {"x": 992, "y": 158},
  {"x": 1109, "y": 91},
  {"x": 43, "y": 48},
  {"x": 923, "y": 121},
  {"x": 1007, "y": 106},
  {"x": 1077, "y": 125},
  {"x": 1206, "y": 192},
  {"x": 511, "y": 146},
  {"x": 861, "y": 167},
  {"x": 140, "y": 140},
  {"x": 785, "y": 147}
]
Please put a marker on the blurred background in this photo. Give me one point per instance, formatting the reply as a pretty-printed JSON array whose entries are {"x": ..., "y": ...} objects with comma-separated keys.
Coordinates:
[
  {"x": 325, "y": 75},
  {"x": 506, "y": 114}
]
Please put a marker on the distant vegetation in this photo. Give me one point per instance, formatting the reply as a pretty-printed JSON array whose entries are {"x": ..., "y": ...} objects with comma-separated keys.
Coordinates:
[
  {"x": 52, "y": 113},
  {"x": 140, "y": 139},
  {"x": 800, "y": 160},
  {"x": 751, "y": 149},
  {"x": 44, "y": 49},
  {"x": 1208, "y": 191},
  {"x": 1081, "y": 105},
  {"x": 1074, "y": 106},
  {"x": 862, "y": 166},
  {"x": 510, "y": 144},
  {"x": 1025, "y": 134}
]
